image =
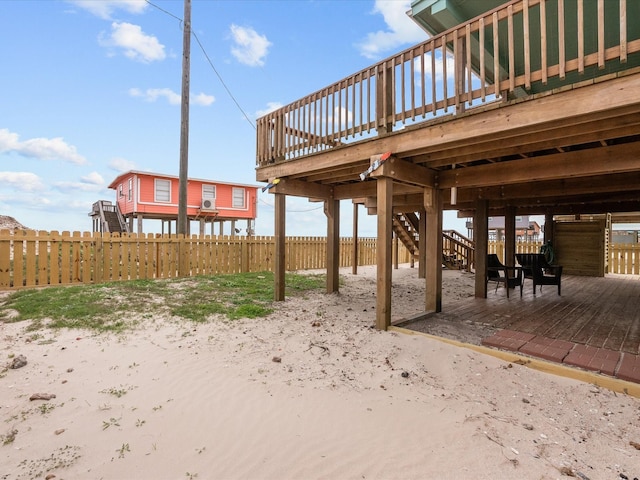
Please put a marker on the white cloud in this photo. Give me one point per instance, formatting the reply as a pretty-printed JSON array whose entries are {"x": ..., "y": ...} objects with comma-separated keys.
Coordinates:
[
  {"x": 40, "y": 148},
  {"x": 153, "y": 94},
  {"x": 401, "y": 29},
  {"x": 136, "y": 44},
  {"x": 93, "y": 178},
  {"x": 121, "y": 164},
  {"x": 202, "y": 99},
  {"x": 439, "y": 70},
  {"x": 93, "y": 182},
  {"x": 271, "y": 106},
  {"x": 105, "y": 8},
  {"x": 249, "y": 48},
  {"x": 22, "y": 181},
  {"x": 68, "y": 187}
]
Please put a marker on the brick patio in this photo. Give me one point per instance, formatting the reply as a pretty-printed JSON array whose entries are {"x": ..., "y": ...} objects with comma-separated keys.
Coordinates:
[{"x": 594, "y": 325}]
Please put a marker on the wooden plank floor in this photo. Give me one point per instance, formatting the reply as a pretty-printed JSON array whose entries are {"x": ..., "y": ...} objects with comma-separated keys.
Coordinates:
[{"x": 602, "y": 312}]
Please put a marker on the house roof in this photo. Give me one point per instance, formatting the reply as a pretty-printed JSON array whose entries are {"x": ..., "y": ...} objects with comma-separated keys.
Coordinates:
[{"x": 119, "y": 178}]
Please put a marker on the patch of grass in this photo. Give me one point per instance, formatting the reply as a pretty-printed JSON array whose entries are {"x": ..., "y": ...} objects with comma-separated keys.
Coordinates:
[
  {"x": 112, "y": 307},
  {"x": 9, "y": 437}
]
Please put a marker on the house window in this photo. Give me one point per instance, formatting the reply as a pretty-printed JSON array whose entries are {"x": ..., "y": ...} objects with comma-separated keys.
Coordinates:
[
  {"x": 130, "y": 191},
  {"x": 238, "y": 198},
  {"x": 163, "y": 190},
  {"x": 120, "y": 191},
  {"x": 209, "y": 191}
]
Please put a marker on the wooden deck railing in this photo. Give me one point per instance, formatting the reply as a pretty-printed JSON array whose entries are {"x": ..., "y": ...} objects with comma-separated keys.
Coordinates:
[
  {"x": 459, "y": 248},
  {"x": 432, "y": 78}
]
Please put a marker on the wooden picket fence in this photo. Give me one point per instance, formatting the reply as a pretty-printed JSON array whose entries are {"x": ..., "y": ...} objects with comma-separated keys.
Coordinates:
[
  {"x": 39, "y": 258},
  {"x": 624, "y": 259},
  {"x": 31, "y": 258}
]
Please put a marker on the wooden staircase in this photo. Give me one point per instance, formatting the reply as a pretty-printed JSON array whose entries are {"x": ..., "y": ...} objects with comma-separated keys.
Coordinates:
[
  {"x": 406, "y": 228},
  {"x": 107, "y": 217},
  {"x": 457, "y": 250}
]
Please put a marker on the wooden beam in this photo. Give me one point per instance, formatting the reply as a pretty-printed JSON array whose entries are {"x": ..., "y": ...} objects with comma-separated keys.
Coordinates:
[
  {"x": 297, "y": 188},
  {"x": 598, "y": 161},
  {"x": 368, "y": 188},
  {"x": 383, "y": 252},
  {"x": 568, "y": 209},
  {"x": 279, "y": 276},
  {"x": 605, "y": 184},
  {"x": 403, "y": 171},
  {"x": 332, "y": 211},
  {"x": 595, "y": 130}
]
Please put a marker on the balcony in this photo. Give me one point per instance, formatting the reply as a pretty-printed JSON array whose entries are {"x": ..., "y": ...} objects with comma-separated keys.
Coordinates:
[{"x": 497, "y": 56}]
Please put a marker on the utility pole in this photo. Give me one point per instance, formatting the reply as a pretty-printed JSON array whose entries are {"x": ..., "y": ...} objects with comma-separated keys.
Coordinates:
[{"x": 184, "y": 121}]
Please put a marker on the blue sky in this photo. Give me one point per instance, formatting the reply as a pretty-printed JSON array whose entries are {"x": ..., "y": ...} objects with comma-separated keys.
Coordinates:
[{"x": 92, "y": 88}]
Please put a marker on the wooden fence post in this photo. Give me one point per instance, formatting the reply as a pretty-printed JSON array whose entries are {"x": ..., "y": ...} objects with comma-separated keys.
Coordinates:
[{"x": 98, "y": 254}]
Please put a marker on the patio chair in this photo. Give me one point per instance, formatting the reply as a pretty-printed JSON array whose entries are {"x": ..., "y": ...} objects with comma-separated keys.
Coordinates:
[
  {"x": 536, "y": 267},
  {"x": 501, "y": 274}
]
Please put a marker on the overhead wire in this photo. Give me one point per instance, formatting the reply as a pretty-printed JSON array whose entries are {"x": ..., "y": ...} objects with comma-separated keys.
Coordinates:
[{"x": 210, "y": 63}]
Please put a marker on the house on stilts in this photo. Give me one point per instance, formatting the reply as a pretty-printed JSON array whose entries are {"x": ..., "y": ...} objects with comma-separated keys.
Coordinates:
[{"x": 524, "y": 107}]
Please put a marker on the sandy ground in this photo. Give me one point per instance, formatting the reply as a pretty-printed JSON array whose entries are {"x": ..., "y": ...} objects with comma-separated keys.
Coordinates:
[{"x": 310, "y": 392}]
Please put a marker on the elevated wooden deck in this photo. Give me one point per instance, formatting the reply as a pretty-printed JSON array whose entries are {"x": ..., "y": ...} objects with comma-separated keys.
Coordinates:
[
  {"x": 557, "y": 135},
  {"x": 602, "y": 312}
]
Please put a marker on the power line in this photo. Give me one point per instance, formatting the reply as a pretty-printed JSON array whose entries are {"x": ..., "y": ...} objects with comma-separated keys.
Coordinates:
[
  {"x": 222, "y": 82},
  {"x": 210, "y": 63}
]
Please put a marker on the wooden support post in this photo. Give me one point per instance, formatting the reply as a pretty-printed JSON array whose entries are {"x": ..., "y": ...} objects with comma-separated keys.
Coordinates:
[
  {"x": 140, "y": 223},
  {"x": 433, "y": 254},
  {"x": 279, "y": 229},
  {"x": 202, "y": 226},
  {"x": 383, "y": 251},
  {"x": 422, "y": 244},
  {"x": 332, "y": 211},
  {"x": 481, "y": 237},
  {"x": 548, "y": 228},
  {"x": 221, "y": 227},
  {"x": 510, "y": 236},
  {"x": 354, "y": 252},
  {"x": 233, "y": 228},
  {"x": 396, "y": 252}
]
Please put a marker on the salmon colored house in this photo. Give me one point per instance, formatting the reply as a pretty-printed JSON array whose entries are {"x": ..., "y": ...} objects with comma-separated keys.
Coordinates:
[{"x": 146, "y": 195}]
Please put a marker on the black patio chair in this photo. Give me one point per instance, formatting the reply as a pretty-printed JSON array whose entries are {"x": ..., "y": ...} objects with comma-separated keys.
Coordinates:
[
  {"x": 501, "y": 274},
  {"x": 536, "y": 268}
]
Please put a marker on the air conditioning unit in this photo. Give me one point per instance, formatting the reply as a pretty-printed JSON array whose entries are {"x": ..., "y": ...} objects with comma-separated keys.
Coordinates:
[{"x": 208, "y": 204}]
